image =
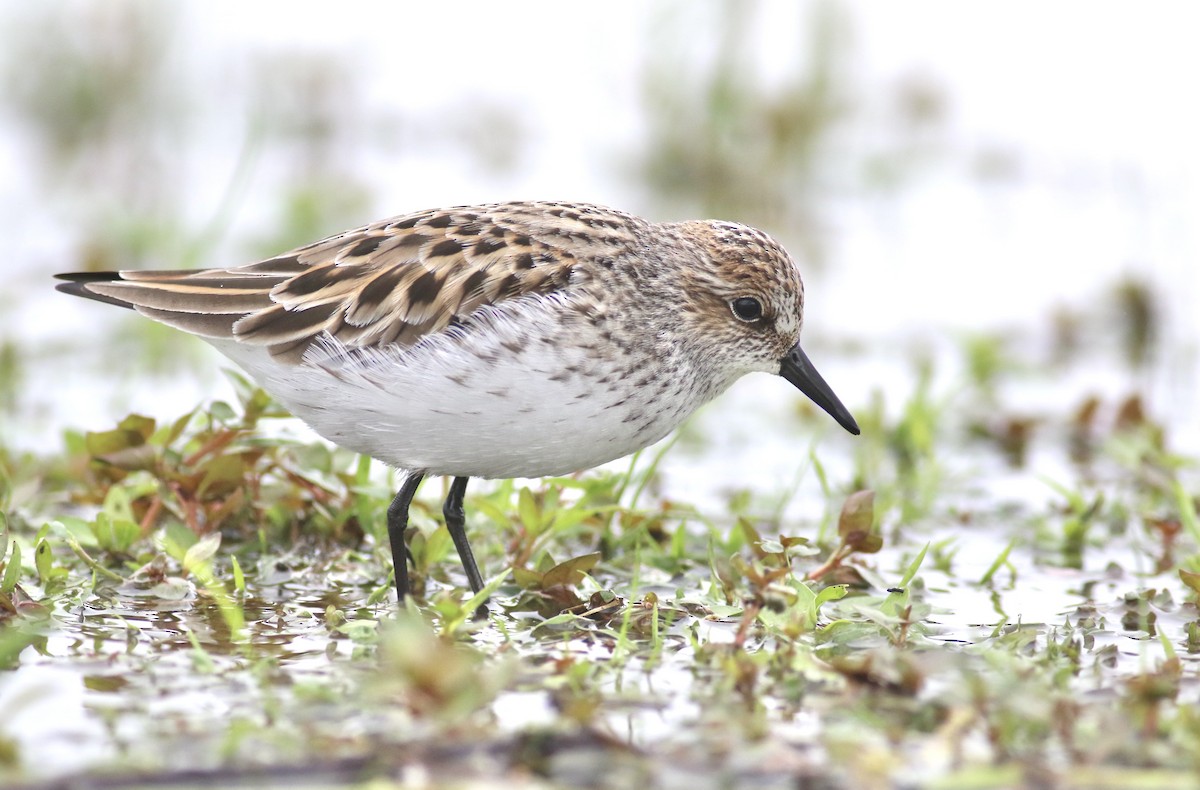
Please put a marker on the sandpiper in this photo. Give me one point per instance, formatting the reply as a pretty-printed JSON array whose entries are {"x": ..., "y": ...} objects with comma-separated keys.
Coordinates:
[{"x": 504, "y": 340}]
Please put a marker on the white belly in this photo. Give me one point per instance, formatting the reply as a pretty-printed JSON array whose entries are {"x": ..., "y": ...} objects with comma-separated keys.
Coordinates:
[{"x": 507, "y": 403}]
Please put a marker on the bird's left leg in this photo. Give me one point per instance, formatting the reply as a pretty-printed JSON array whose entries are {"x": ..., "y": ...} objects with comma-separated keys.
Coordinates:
[{"x": 456, "y": 526}]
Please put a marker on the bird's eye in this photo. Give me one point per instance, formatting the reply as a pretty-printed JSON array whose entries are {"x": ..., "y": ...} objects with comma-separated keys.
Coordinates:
[{"x": 747, "y": 308}]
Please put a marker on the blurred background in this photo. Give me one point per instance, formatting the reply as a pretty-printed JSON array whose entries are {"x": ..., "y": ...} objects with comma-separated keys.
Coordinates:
[{"x": 963, "y": 185}]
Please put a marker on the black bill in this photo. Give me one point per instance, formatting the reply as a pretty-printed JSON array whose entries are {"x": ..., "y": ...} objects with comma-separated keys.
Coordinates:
[{"x": 799, "y": 371}]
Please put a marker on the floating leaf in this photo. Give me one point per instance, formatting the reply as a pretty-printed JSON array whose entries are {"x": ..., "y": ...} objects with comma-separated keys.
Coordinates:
[
  {"x": 172, "y": 589},
  {"x": 1192, "y": 580},
  {"x": 563, "y": 618},
  {"x": 106, "y": 684},
  {"x": 363, "y": 632}
]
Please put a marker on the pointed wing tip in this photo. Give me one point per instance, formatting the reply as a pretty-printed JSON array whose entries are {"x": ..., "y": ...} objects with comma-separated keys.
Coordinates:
[
  {"x": 76, "y": 284},
  {"x": 88, "y": 277}
]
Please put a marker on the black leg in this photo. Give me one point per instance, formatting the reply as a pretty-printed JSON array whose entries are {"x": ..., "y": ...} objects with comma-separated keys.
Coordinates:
[
  {"x": 455, "y": 525},
  {"x": 397, "y": 521}
]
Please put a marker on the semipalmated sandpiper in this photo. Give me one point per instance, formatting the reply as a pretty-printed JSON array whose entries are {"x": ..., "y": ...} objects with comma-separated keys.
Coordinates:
[{"x": 502, "y": 340}]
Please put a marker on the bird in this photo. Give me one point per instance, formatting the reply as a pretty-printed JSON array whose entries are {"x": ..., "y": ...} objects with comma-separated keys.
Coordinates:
[{"x": 519, "y": 339}]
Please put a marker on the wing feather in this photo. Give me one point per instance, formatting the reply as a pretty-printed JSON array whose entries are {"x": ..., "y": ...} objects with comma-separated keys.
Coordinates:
[{"x": 391, "y": 282}]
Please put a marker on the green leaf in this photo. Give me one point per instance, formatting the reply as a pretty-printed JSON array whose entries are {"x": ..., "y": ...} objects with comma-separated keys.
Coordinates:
[
  {"x": 176, "y": 539},
  {"x": 380, "y": 593},
  {"x": 679, "y": 536},
  {"x": 13, "y": 641},
  {"x": 363, "y": 632},
  {"x": 434, "y": 547},
  {"x": 122, "y": 445},
  {"x": 1000, "y": 561},
  {"x": 801, "y": 615},
  {"x": 259, "y": 403},
  {"x": 177, "y": 428},
  {"x": 832, "y": 593},
  {"x": 472, "y": 604},
  {"x": 242, "y": 385},
  {"x": 747, "y": 530},
  {"x": 1187, "y": 510},
  {"x": 172, "y": 589},
  {"x": 221, "y": 475},
  {"x": 117, "y": 504},
  {"x": 73, "y": 527},
  {"x": 222, "y": 412},
  {"x": 12, "y": 570},
  {"x": 239, "y": 578},
  {"x": 1192, "y": 580},
  {"x": 96, "y": 567},
  {"x": 202, "y": 662},
  {"x": 115, "y": 534},
  {"x": 913, "y": 567},
  {"x": 130, "y": 432},
  {"x": 43, "y": 561},
  {"x": 203, "y": 550},
  {"x": 527, "y": 579},
  {"x": 527, "y": 511},
  {"x": 566, "y": 518},
  {"x": 558, "y": 619},
  {"x": 819, "y": 469}
]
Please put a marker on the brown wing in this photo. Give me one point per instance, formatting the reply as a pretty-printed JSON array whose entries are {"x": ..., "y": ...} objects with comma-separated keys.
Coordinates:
[{"x": 391, "y": 282}]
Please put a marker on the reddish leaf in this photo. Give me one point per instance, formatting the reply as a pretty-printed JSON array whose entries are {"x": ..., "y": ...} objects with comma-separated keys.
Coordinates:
[
  {"x": 570, "y": 572},
  {"x": 858, "y": 514}
]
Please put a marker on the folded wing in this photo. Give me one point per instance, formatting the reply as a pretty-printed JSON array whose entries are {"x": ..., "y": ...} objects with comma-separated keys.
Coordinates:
[{"x": 391, "y": 282}]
